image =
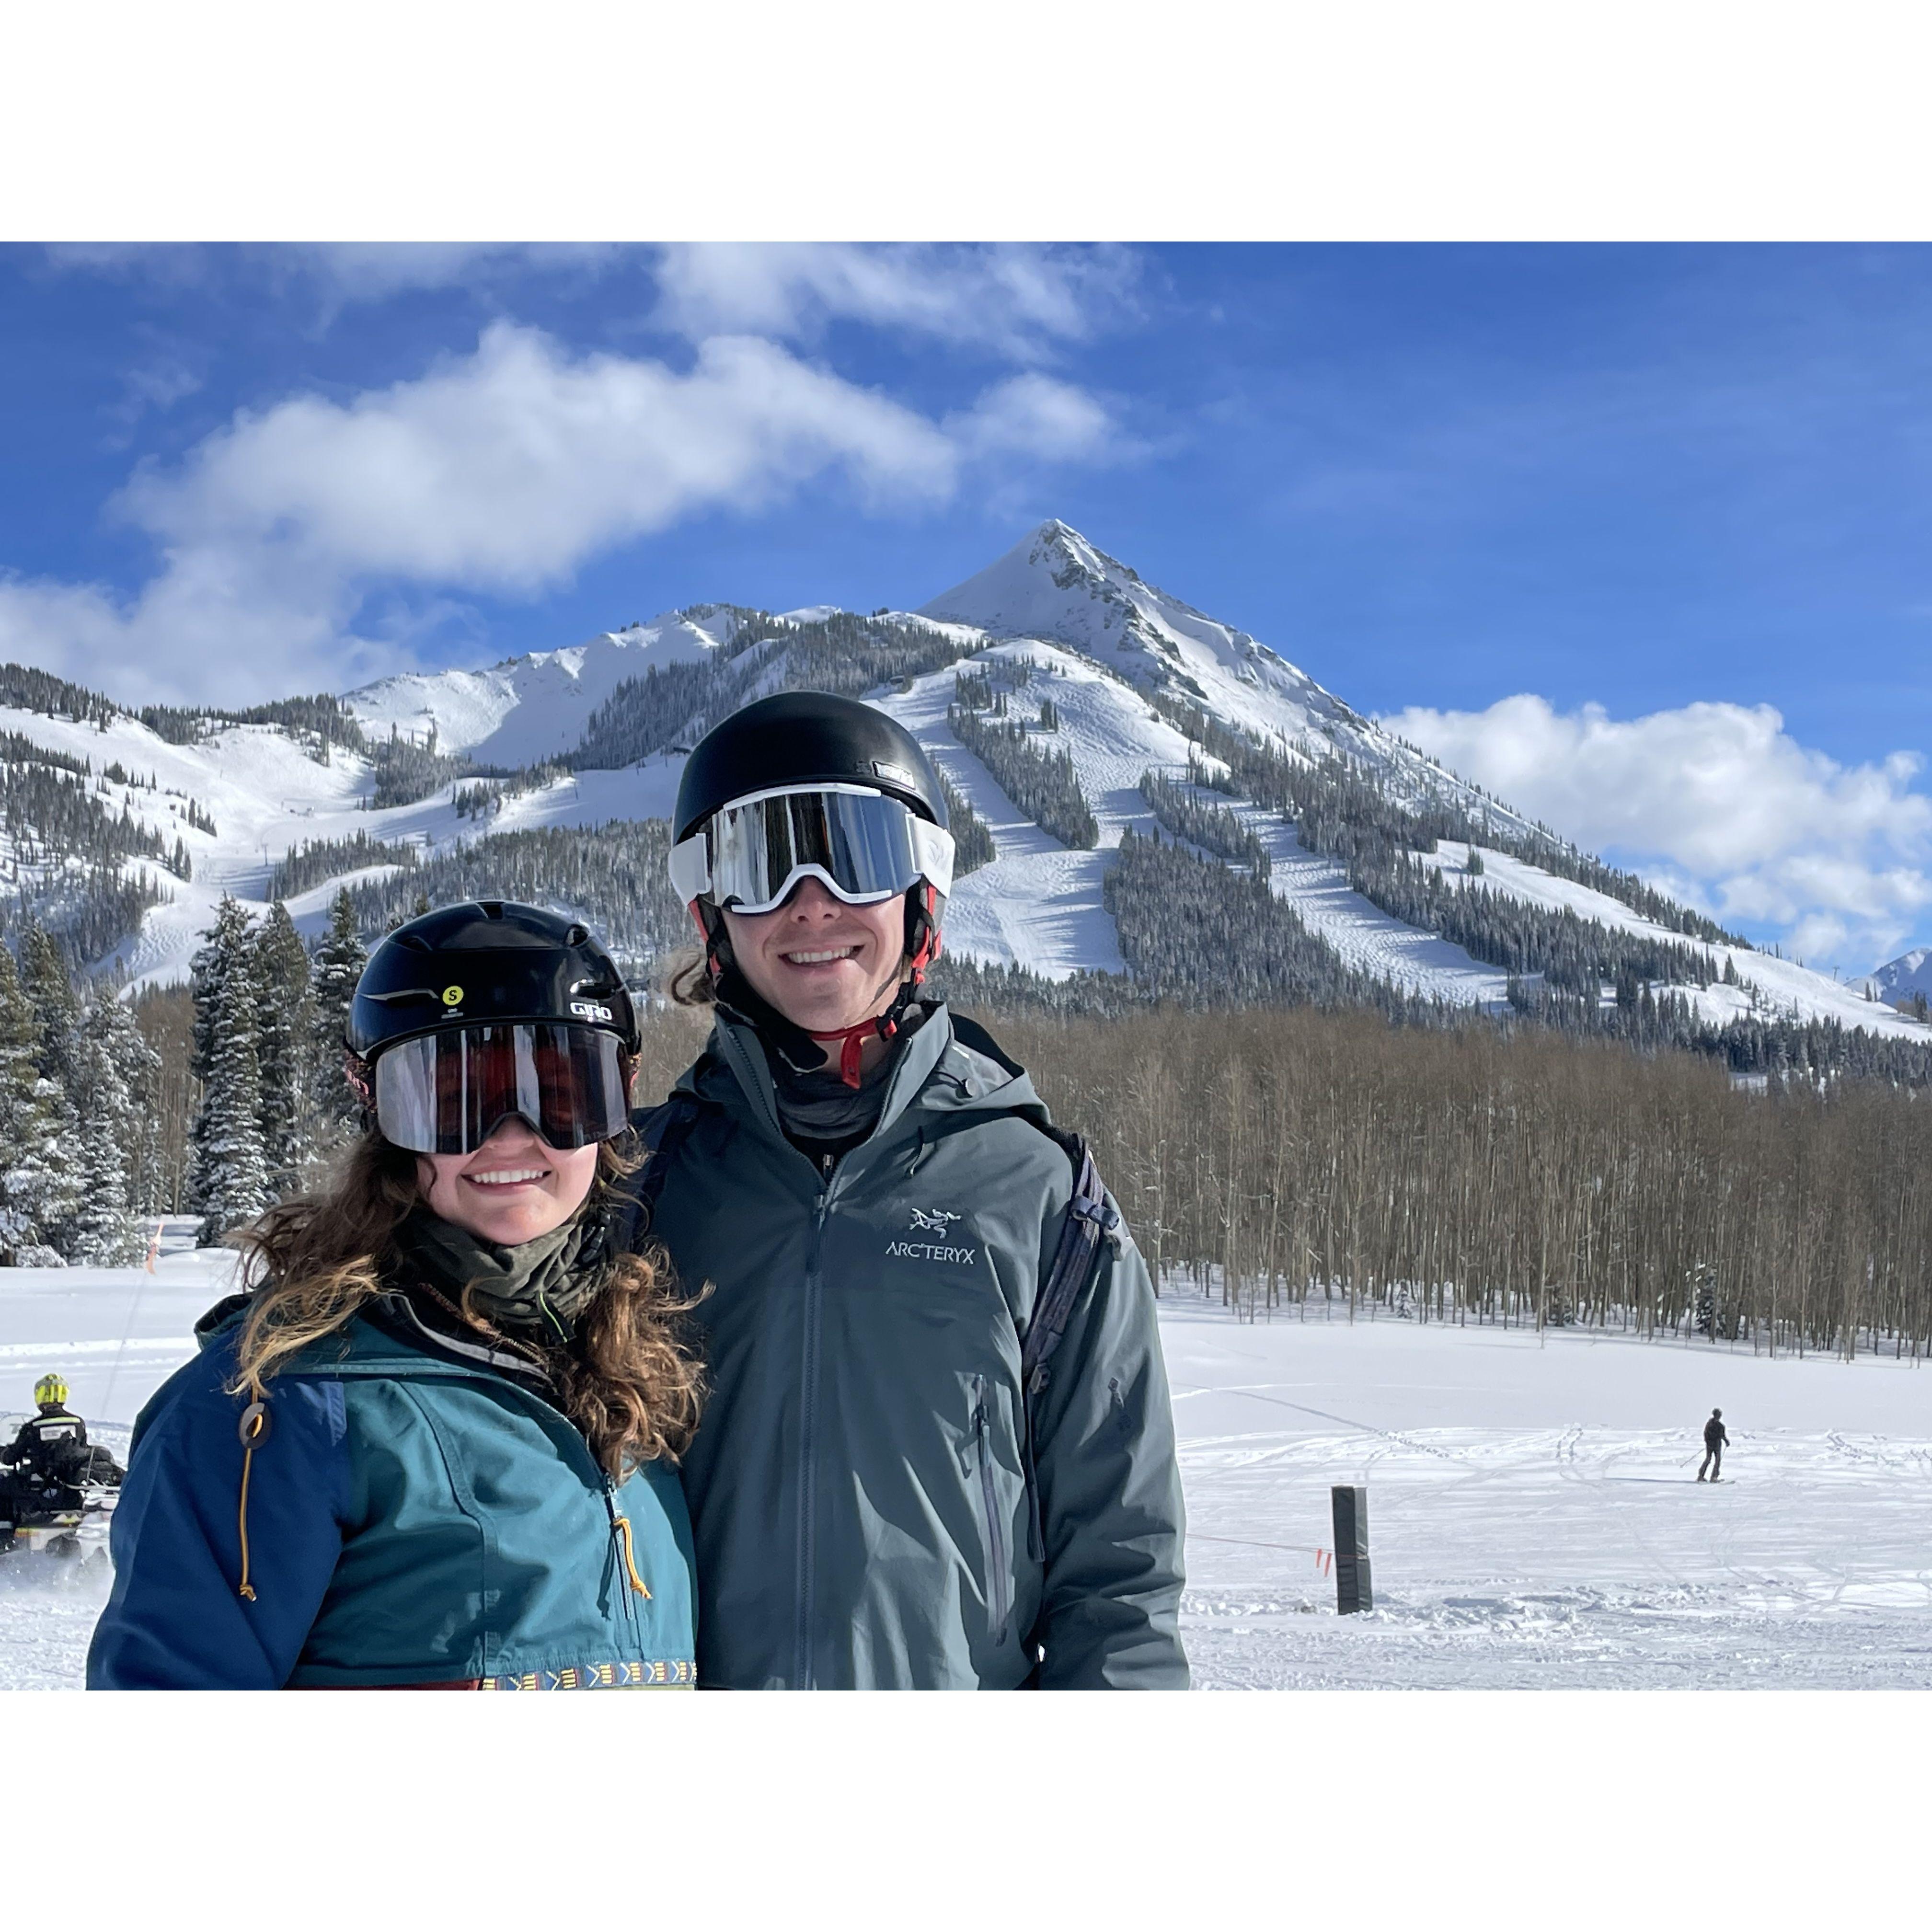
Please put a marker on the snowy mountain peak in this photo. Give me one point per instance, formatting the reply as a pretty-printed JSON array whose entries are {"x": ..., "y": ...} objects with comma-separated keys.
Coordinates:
[
  {"x": 1897, "y": 980},
  {"x": 527, "y": 708},
  {"x": 1056, "y": 585}
]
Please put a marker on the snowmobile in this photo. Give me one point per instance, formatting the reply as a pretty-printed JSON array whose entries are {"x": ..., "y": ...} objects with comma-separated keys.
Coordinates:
[{"x": 59, "y": 1508}]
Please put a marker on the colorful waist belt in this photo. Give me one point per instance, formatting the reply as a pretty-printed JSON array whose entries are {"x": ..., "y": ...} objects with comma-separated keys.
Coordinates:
[{"x": 632, "y": 1675}]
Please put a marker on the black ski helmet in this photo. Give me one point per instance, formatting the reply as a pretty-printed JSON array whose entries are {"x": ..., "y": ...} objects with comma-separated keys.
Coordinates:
[
  {"x": 801, "y": 739},
  {"x": 488, "y": 961},
  {"x": 804, "y": 738}
]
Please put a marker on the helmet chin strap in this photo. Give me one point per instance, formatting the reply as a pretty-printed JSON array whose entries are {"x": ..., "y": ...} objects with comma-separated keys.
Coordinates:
[
  {"x": 852, "y": 1038},
  {"x": 922, "y": 936}
]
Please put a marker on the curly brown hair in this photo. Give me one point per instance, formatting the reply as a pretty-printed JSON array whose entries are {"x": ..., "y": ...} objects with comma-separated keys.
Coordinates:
[{"x": 634, "y": 1383}]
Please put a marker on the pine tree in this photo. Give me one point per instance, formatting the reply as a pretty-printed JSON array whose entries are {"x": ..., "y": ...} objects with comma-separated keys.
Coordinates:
[
  {"x": 228, "y": 1181},
  {"x": 50, "y": 995},
  {"x": 111, "y": 1022},
  {"x": 339, "y": 961},
  {"x": 55, "y": 1017},
  {"x": 32, "y": 1160},
  {"x": 103, "y": 1232},
  {"x": 232, "y": 1181},
  {"x": 284, "y": 1026}
]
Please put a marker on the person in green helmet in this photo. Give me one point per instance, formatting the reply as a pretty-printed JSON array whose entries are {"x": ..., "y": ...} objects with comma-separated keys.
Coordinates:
[{"x": 51, "y": 1442}]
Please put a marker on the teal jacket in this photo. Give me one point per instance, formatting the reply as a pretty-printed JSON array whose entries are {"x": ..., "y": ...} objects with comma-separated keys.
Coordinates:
[
  {"x": 858, "y": 1486},
  {"x": 417, "y": 1513}
]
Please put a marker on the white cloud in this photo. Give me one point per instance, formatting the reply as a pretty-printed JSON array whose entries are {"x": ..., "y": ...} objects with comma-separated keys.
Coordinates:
[
  {"x": 360, "y": 271},
  {"x": 499, "y": 472},
  {"x": 1018, "y": 301},
  {"x": 1718, "y": 803},
  {"x": 1033, "y": 415},
  {"x": 161, "y": 384},
  {"x": 157, "y": 385},
  {"x": 1014, "y": 300},
  {"x": 504, "y": 469},
  {"x": 328, "y": 277}
]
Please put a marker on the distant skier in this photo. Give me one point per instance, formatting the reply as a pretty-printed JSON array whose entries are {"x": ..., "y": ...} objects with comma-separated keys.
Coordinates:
[{"x": 1715, "y": 1443}]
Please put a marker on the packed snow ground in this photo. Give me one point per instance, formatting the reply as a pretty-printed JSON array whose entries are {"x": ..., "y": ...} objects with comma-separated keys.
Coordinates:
[{"x": 1534, "y": 1518}]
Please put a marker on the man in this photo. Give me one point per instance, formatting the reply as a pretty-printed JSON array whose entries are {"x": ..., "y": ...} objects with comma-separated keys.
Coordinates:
[
  {"x": 52, "y": 1442},
  {"x": 881, "y": 1496},
  {"x": 1716, "y": 1441}
]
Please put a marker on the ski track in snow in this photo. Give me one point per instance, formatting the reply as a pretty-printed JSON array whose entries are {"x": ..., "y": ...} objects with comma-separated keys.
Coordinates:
[
  {"x": 1039, "y": 904},
  {"x": 1534, "y": 1519},
  {"x": 1361, "y": 933}
]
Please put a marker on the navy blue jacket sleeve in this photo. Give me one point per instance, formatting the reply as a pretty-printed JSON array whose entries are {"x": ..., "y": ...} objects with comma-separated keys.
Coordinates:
[{"x": 175, "y": 1619}]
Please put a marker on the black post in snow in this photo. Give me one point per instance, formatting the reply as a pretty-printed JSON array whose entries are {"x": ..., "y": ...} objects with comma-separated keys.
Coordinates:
[{"x": 1352, "y": 1591}]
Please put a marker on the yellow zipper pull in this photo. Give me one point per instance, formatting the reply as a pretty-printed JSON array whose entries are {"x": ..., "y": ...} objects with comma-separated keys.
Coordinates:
[{"x": 623, "y": 1523}]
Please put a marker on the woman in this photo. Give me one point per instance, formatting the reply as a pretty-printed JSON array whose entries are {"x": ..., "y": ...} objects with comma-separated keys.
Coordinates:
[
  {"x": 432, "y": 1446},
  {"x": 939, "y": 1452}
]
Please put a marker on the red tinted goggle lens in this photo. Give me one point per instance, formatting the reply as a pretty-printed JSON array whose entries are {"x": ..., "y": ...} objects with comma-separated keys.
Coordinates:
[{"x": 447, "y": 1092}]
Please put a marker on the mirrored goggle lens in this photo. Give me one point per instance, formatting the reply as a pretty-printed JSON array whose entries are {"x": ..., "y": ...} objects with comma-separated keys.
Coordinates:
[
  {"x": 447, "y": 1092},
  {"x": 861, "y": 843}
]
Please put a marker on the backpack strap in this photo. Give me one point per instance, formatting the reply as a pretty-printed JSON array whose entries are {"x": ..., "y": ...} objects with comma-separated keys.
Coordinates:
[
  {"x": 662, "y": 1131},
  {"x": 1089, "y": 1215}
]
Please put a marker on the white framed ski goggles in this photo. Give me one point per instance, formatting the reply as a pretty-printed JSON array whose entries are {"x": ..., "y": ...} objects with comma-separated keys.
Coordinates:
[
  {"x": 448, "y": 1092},
  {"x": 862, "y": 846}
]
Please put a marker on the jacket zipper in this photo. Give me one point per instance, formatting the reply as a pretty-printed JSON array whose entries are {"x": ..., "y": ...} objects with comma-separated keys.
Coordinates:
[
  {"x": 626, "y": 1561},
  {"x": 808, "y": 1446},
  {"x": 999, "y": 1590}
]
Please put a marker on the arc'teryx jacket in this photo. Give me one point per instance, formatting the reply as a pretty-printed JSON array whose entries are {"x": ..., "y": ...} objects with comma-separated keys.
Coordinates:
[
  {"x": 859, "y": 1509},
  {"x": 414, "y": 1517}
]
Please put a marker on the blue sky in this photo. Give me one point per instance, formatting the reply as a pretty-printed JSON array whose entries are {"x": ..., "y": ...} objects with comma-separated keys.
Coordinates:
[{"x": 1635, "y": 535}]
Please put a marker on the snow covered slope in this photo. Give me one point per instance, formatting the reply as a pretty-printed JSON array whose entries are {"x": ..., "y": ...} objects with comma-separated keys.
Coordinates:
[
  {"x": 528, "y": 708},
  {"x": 266, "y": 795},
  {"x": 1899, "y": 979},
  {"x": 1038, "y": 905},
  {"x": 1104, "y": 643},
  {"x": 1770, "y": 988},
  {"x": 1054, "y": 585}
]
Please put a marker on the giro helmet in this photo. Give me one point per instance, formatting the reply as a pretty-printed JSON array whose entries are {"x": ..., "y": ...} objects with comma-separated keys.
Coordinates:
[{"x": 466, "y": 1015}]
